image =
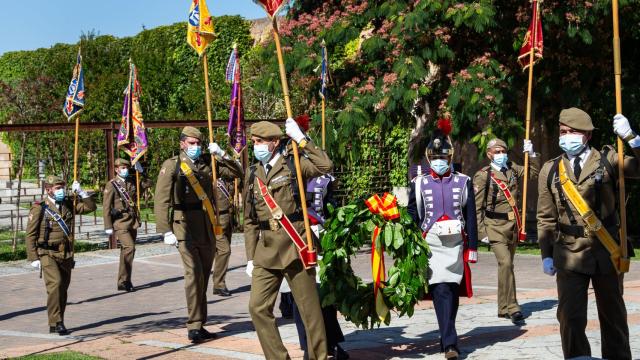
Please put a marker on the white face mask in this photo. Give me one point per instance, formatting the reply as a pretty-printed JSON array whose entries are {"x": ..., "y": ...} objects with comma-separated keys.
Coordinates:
[
  {"x": 439, "y": 166},
  {"x": 262, "y": 153},
  {"x": 500, "y": 160},
  {"x": 571, "y": 144},
  {"x": 123, "y": 173}
]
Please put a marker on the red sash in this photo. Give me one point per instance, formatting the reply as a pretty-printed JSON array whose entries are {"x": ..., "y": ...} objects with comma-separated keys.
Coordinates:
[
  {"x": 522, "y": 236},
  {"x": 276, "y": 212}
]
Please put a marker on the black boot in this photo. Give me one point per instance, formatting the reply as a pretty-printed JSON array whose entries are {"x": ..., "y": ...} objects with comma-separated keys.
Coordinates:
[
  {"x": 195, "y": 336},
  {"x": 339, "y": 353},
  {"x": 60, "y": 329},
  {"x": 221, "y": 291}
]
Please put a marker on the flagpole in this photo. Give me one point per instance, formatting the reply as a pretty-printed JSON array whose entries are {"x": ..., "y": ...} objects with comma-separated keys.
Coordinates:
[
  {"x": 75, "y": 178},
  {"x": 617, "y": 70},
  {"x": 523, "y": 234},
  {"x": 214, "y": 171},
  {"x": 296, "y": 156},
  {"x": 323, "y": 124}
]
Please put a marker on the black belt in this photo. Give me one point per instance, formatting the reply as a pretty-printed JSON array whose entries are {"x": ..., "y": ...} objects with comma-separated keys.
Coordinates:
[
  {"x": 496, "y": 215},
  {"x": 266, "y": 225},
  {"x": 578, "y": 230},
  {"x": 50, "y": 247},
  {"x": 188, "y": 207}
]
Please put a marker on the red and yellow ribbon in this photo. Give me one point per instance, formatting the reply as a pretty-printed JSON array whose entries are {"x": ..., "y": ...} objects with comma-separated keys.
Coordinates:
[{"x": 387, "y": 207}]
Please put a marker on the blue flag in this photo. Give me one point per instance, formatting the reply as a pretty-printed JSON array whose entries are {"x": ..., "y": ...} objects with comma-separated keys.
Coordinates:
[
  {"x": 324, "y": 74},
  {"x": 74, "y": 101}
]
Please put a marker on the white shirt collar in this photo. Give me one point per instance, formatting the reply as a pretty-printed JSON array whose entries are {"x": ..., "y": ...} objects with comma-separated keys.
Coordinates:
[
  {"x": 271, "y": 162},
  {"x": 583, "y": 156}
]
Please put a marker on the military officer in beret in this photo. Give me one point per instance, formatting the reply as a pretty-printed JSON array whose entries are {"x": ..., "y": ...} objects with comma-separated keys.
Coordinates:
[
  {"x": 185, "y": 215},
  {"x": 496, "y": 191},
  {"x": 578, "y": 254},
  {"x": 121, "y": 217},
  {"x": 49, "y": 243},
  {"x": 271, "y": 253},
  {"x": 224, "y": 203}
]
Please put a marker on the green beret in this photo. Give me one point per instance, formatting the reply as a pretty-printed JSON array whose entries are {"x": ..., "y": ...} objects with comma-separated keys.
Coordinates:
[
  {"x": 54, "y": 180},
  {"x": 266, "y": 130},
  {"x": 576, "y": 119},
  {"x": 495, "y": 142},
  {"x": 121, "y": 161},
  {"x": 190, "y": 131}
]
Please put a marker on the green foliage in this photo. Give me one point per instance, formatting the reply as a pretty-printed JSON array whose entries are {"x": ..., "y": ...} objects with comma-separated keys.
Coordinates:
[
  {"x": 7, "y": 254},
  {"x": 170, "y": 73},
  {"x": 61, "y": 355},
  {"x": 349, "y": 229}
]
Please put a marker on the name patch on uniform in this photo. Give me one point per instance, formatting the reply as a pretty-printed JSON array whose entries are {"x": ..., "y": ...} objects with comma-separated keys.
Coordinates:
[{"x": 279, "y": 179}]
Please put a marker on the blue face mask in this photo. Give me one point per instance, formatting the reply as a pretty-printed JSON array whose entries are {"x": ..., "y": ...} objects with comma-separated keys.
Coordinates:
[
  {"x": 572, "y": 144},
  {"x": 58, "y": 195},
  {"x": 500, "y": 160},
  {"x": 193, "y": 152},
  {"x": 123, "y": 173},
  {"x": 439, "y": 166},
  {"x": 262, "y": 153}
]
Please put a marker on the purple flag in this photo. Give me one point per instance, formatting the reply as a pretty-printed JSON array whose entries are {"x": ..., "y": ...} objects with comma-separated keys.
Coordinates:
[
  {"x": 132, "y": 137},
  {"x": 236, "y": 129}
]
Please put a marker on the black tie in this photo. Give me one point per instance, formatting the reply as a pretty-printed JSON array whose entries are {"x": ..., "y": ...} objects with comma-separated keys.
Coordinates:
[
  {"x": 577, "y": 169},
  {"x": 268, "y": 168}
]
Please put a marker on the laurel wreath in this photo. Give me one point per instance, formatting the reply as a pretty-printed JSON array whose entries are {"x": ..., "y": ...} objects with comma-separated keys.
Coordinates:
[{"x": 348, "y": 230}]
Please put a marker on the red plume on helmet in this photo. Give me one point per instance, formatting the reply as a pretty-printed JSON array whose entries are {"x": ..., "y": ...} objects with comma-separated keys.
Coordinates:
[
  {"x": 445, "y": 126},
  {"x": 303, "y": 121}
]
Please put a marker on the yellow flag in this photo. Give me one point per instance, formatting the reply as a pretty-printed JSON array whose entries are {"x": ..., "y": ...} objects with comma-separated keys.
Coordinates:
[{"x": 200, "y": 26}]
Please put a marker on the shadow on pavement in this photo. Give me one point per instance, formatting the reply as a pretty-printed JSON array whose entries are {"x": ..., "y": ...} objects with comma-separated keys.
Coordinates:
[
  {"x": 535, "y": 306},
  {"x": 137, "y": 288},
  {"x": 114, "y": 321},
  {"x": 11, "y": 315}
]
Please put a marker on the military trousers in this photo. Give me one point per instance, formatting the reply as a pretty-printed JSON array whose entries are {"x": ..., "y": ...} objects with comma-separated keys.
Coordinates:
[
  {"x": 505, "y": 250},
  {"x": 573, "y": 290},
  {"x": 127, "y": 240},
  {"x": 445, "y": 303},
  {"x": 223, "y": 252},
  {"x": 57, "y": 277},
  {"x": 265, "y": 284},
  {"x": 197, "y": 259}
]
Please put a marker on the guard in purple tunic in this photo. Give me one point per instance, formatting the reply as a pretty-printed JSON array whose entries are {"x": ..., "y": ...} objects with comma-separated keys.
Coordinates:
[{"x": 441, "y": 202}]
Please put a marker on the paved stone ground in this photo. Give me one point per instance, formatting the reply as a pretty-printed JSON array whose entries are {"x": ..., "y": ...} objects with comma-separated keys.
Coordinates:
[{"x": 150, "y": 323}]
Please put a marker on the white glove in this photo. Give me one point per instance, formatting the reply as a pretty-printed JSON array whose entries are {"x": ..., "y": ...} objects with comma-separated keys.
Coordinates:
[
  {"x": 472, "y": 256},
  {"x": 36, "y": 264},
  {"x": 622, "y": 128},
  {"x": 216, "y": 150},
  {"x": 108, "y": 231},
  {"x": 170, "y": 239},
  {"x": 249, "y": 270},
  {"x": 485, "y": 240},
  {"x": 78, "y": 189},
  {"x": 547, "y": 266},
  {"x": 293, "y": 130},
  {"x": 527, "y": 147},
  {"x": 138, "y": 167}
]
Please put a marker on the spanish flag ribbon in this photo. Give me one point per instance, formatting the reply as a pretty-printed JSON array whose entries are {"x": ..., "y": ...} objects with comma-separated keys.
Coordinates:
[{"x": 387, "y": 207}]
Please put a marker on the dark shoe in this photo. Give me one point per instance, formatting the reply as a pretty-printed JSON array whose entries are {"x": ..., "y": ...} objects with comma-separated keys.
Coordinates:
[
  {"x": 196, "y": 336},
  {"x": 222, "y": 292},
  {"x": 339, "y": 353},
  {"x": 207, "y": 335},
  {"x": 122, "y": 287},
  {"x": 517, "y": 318},
  {"x": 129, "y": 287},
  {"x": 451, "y": 352},
  {"x": 60, "y": 329}
]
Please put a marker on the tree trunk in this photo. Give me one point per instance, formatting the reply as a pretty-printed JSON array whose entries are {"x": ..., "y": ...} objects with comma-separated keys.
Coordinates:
[{"x": 14, "y": 244}]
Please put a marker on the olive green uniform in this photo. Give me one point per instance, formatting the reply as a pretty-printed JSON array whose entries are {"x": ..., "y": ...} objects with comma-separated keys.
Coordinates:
[
  {"x": 275, "y": 256},
  {"x": 224, "y": 204},
  {"x": 123, "y": 218},
  {"x": 492, "y": 207},
  {"x": 581, "y": 259},
  {"x": 56, "y": 254},
  {"x": 190, "y": 224}
]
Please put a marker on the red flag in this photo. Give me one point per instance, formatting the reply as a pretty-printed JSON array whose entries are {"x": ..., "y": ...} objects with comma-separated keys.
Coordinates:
[
  {"x": 533, "y": 38},
  {"x": 271, "y": 6}
]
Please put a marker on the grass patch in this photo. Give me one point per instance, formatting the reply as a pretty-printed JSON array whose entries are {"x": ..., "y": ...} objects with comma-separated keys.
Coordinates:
[
  {"x": 63, "y": 355},
  {"x": 7, "y": 254}
]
